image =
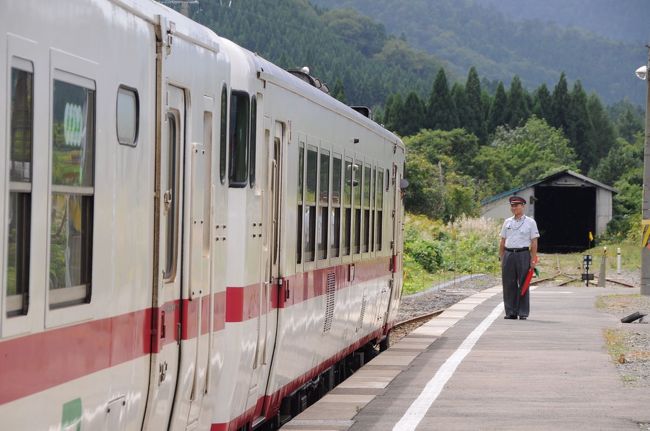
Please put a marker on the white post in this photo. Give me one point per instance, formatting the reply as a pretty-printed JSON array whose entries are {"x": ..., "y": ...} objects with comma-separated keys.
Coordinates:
[{"x": 618, "y": 260}]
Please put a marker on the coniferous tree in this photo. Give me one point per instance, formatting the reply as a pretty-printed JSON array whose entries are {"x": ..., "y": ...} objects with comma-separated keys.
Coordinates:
[
  {"x": 518, "y": 111},
  {"x": 579, "y": 128},
  {"x": 338, "y": 92},
  {"x": 394, "y": 107},
  {"x": 560, "y": 104},
  {"x": 412, "y": 115},
  {"x": 441, "y": 112},
  {"x": 498, "y": 109},
  {"x": 542, "y": 103},
  {"x": 474, "y": 121},
  {"x": 628, "y": 124},
  {"x": 603, "y": 134},
  {"x": 460, "y": 103}
]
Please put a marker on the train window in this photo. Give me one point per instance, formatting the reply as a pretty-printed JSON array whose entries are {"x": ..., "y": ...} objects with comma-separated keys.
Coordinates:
[
  {"x": 171, "y": 198},
  {"x": 323, "y": 202},
  {"x": 223, "y": 134},
  {"x": 357, "y": 172},
  {"x": 207, "y": 191},
  {"x": 379, "y": 205},
  {"x": 71, "y": 224},
  {"x": 335, "y": 226},
  {"x": 347, "y": 208},
  {"x": 20, "y": 189},
  {"x": 239, "y": 121},
  {"x": 253, "y": 141},
  {"x": 310, "y": 204},
  {"x": 301, "y": 166},
  {"x": 367, "y": 179},
  {"x": 373, "y": 191},
  {"x": 127, "y": 116}
]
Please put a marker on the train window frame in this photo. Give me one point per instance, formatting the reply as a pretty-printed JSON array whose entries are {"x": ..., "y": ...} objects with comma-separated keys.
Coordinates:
[
  {"x": 357, "y": 188},
  {"x": 128, "y": 92},
  {"x": 310, "y": 204},
  {"x": 223, "y": 135},
  {"x": 19, "y": 193},
  {"x": 77, "y": 293},
  {"x": 238, "y": 163},
  {"x": 323, "y": 201},
  {"x": 336, "y": 205},
  {"x": 300, "y": 202},
  {"x": 346, "y": 219},
  {"x": 252, "y": 142},
  {"x": 379, "y": 212}
]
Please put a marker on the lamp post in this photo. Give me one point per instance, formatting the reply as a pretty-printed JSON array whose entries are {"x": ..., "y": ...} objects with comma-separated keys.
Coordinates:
[{"x": 642, "y": 72}]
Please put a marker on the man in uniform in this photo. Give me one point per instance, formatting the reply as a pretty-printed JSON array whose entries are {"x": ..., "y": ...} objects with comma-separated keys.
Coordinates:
[{"x": 518, "y": 253}]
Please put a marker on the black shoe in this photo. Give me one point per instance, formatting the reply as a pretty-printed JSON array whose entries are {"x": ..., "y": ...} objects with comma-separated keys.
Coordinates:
[
  {"x": 522, "y": 317},
  {"x": 510, "y": 317}
]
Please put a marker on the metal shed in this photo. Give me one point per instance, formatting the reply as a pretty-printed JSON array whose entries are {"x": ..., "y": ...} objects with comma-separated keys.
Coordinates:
[{"x": 566, "y": 206}]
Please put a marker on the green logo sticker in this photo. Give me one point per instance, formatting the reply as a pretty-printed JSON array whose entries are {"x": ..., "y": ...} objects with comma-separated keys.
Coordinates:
[{"x": 71, "y": 420}]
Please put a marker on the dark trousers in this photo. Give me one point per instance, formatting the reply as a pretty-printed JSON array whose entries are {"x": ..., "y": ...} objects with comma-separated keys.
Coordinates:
[{"x": 514, "y": 268}]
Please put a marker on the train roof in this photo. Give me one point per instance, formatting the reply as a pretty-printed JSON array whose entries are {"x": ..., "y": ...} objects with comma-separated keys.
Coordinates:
[{"x": 246, "y": 60}]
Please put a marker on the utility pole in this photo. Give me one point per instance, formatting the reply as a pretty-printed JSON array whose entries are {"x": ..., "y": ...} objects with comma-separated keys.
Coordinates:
[{"x": 645, "y": 251}]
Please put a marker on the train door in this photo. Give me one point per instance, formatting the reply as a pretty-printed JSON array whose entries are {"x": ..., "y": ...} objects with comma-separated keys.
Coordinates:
[
  {"x": 273, "y": 142},
  {"x": 196, "y": 333},
  {"x": 167, "y": 292},
  {"x": 396, "y": 241}
]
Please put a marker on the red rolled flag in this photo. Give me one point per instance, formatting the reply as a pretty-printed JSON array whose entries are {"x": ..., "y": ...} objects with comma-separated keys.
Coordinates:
[{"x": 529, "y": 276}]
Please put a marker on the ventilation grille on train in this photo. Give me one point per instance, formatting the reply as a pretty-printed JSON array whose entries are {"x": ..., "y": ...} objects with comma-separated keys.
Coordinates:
[{"x": 331, "y": 293}]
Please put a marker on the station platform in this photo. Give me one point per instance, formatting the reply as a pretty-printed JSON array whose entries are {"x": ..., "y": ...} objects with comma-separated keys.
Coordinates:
[{"x": 469, "y": 369}]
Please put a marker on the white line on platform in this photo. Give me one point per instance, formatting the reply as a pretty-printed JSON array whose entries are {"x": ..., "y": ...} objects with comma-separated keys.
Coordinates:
[{"x": 423, "y": 402}]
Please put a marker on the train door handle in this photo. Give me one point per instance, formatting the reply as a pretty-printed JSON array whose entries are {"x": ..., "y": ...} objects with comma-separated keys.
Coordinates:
[{"x": 167, "y": 199}]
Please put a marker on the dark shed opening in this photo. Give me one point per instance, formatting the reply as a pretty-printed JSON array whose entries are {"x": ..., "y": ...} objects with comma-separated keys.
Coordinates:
[{"x": 565, "y": 216}]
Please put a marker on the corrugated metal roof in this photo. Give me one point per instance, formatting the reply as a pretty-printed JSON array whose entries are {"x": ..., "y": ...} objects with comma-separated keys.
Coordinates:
[{"x": 545, "y": 179}]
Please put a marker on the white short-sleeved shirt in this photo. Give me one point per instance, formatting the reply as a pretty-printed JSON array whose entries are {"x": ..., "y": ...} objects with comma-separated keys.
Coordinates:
[{"x": 519, "y": 233}]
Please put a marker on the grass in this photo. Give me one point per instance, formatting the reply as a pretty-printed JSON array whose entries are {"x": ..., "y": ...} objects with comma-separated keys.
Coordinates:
[
  {"x": 615, "y": 342},
  {"x": 435, "y": 252}
]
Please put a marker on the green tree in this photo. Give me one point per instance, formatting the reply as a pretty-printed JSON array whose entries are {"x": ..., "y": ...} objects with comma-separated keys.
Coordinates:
[
  {"x": 543, "y": 103},
  {"x": 441, "y": 112},
  {"x": 518, "y": 111},
  {"x": 474, "y": 118},
  {"x": 393, "y": 112},
  {"x": 580, "y": 129},
  {"x": 522, "y": 155},
  {"x": 338, "y": 92},
  {"x": 412, "y": 115},
  {"x": 560, "y": 104},
  {"x": 603, "y": 134},
  {"x": 425, "y": 193},
  {"x": 498, "y": 110}
]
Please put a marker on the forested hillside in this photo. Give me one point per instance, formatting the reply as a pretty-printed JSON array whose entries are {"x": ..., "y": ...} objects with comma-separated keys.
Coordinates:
[
  {"x": 467, "y": 137},
  {"x": 627, "y": 20},
  {"x": 467, "y": 34},
  {"x": 345, "y": 47}
]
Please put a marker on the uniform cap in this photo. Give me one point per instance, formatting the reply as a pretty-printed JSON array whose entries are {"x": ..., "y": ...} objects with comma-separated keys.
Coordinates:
[{"x": 517, "y": 200}]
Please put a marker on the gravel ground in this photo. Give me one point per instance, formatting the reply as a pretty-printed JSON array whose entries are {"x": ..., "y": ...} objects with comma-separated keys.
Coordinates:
[
  {"x": 629, "y": 343},
  {"x": 444, "y": 295}
]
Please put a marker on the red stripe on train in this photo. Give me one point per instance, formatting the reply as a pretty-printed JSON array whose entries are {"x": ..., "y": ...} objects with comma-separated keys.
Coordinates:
[
  {"x": 271, "y": 404},
  {"x": 36, "y": 362}
]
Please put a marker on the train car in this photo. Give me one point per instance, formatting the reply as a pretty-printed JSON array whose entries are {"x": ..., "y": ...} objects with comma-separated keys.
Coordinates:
[{"x": 194, "y": 238}]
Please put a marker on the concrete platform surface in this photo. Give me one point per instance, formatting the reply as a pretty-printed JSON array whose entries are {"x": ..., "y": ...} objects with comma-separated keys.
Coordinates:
[{"x": 473, "y": 370}]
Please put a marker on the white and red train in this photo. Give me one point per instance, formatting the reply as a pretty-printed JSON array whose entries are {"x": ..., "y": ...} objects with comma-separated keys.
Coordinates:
[{"x": 194, "y": 239}]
